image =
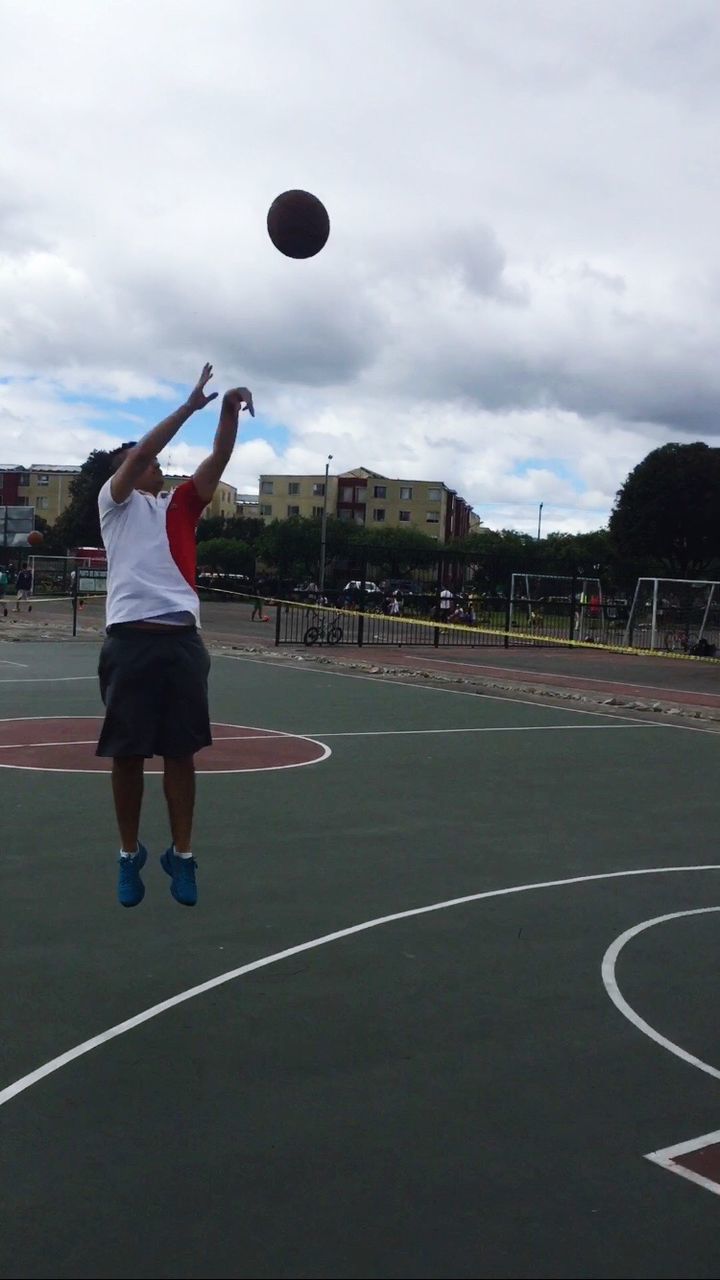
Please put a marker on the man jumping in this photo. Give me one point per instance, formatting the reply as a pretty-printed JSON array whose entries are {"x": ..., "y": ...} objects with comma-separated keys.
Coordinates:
[{"x": 153, "y": 665}]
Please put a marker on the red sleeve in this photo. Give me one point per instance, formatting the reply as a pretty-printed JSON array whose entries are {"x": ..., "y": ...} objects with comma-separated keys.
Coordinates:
[
  {"x": 185, "y": 506},
  {"x": 187, "y": 497}
]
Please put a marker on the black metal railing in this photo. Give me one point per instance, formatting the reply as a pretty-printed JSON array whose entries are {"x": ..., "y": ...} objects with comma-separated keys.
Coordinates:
[{"x": 453, "y": 620}]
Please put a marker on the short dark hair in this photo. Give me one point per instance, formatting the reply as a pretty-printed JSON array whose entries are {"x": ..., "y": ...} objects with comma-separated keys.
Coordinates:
[{"x": 117, "y": 456}]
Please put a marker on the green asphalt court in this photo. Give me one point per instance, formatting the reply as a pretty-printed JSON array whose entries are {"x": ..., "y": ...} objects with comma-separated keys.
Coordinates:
[{"x": 446, "y": 1006}]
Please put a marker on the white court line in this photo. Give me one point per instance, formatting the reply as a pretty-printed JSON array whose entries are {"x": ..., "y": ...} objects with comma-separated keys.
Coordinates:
[
  {"x": 5, "y": 662},
  {"x": 693, "y": 1144},
  {"x": 666, "y": 1159},
  {"x": 77, "y": 742},
  {"x": 200, "y": 773},
  {"x": 565, "y": 675},
  {"x": 665, "y": 1156},
  {"x": 362, "y": 733},
  {"x": 261, "y": 733},
  {"x": 618, "y": 999},
  {"x": 216, "y": 724},
  {"x": 263, "y": 736},
  {"x": 43, "y": 680},
  {"x": 311, "y": 669},
  {"x": 502, "y": 728},
  {"x": 11, "y": 719},
  {"x": 62, "y": 1060}
]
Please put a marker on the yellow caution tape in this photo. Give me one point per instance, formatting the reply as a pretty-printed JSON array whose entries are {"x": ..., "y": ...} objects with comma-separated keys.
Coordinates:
[{"x": 534, "y": 636}]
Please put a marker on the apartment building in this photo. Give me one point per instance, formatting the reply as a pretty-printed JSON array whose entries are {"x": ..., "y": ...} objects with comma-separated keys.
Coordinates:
[
  {"x": 248, "y": 505},
  {"x": 224, "y": 501},
  {"x": 46, "y": 488},
  {"x": 368, "y": 498},
  {"x": 282, "y": 497}
]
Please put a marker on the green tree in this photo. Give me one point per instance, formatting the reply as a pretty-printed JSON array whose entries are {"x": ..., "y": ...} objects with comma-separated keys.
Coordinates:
[
  {"x": 226, "y": 555},
  {"x": 393, "y": 552},
  {"x": 666, "y": 513},
  {"x": 245, "y": 528},
  {"x": 498, "y": 553},
  {"x": 211, "y": 527},
  {"x": 292, "y": 547},
  {"x": 590, "y": 554}
]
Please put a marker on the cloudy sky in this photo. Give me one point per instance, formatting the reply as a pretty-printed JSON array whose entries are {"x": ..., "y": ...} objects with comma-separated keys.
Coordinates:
[{"x": 520, "y": 291}]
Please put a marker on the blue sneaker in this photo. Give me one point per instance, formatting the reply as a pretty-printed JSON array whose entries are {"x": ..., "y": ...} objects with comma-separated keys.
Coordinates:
[
  {"x": 182, "y": 874},
  {"x": 131, "y": 889}
]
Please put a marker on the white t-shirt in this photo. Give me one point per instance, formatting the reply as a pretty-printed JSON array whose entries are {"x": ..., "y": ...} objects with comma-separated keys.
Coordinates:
[{"x": 151, "y": 555}]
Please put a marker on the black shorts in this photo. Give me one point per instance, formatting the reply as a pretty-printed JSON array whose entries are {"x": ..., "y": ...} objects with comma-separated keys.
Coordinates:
[{"x": 154, "y": 687}]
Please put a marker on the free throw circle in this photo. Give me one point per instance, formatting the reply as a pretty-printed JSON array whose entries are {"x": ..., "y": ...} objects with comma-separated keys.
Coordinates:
[{"x": 66, "y": 744}]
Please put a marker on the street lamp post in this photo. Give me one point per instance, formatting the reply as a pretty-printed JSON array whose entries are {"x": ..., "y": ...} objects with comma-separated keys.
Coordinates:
[
  {"x": 323, "y": 530},
  {"x": 539, "y": 518}
]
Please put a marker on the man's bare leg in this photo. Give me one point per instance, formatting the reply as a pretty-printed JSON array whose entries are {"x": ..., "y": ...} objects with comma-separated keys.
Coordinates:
[
  {"x": 179, "y": 786},
  {"x": 127, "y": 783},
  {"x": 178, "y": 862}
]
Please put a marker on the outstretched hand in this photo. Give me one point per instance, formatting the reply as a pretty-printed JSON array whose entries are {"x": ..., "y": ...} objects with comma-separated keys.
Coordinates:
[
  {"x": 239, "y": 398},
  {"x": 197, "y": 398}
]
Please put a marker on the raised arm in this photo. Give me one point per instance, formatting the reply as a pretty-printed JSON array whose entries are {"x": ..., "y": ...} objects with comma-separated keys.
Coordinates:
[
  {"x": 208, "y": 474},
  {"x": 138, "y": 458}
]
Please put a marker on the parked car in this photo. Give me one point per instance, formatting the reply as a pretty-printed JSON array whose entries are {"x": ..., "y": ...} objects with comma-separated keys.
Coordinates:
[
  {"x": 405, "y": 587},
  {"x": 371, "y": 588}
]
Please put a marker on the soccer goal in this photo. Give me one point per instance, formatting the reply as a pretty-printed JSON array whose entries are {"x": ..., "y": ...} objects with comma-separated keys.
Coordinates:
[
  {"x": 677, "y": 614},
  {"x": 55, "y": 575},
  {"x": 556, "y": 604}
]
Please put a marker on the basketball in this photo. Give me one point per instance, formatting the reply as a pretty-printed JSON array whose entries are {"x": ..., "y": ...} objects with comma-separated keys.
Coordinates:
[
  {"x": 34, "y": 538},
  {"x": 298, "y": 224}
]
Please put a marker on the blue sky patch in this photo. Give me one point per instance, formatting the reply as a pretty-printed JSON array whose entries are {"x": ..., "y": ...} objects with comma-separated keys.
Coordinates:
[{"x": 143, "y": 414}]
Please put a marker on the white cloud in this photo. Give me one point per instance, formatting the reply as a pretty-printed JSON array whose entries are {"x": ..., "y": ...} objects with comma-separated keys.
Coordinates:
[
  {"x": 37, "y": 426},
  {"x": 250, "y": 458},
  {"x": 519, "y": 294}
]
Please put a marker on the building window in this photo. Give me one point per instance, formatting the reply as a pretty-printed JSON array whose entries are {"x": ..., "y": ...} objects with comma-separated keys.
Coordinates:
[
  {"x": 41, "y": 503},
  {"x": 293, "y": 511},
  {"x": 318, "y": 491},
  {"x": 266, "y": 486},
  {"x": 432, "y": 517},
  {"x": 379, "y": 515},
  {"x": 380, "y": 491},
  {"x": 346, "y": 493},
  {"x": 43, "y": 479},
  {"x": 405, "y": 517},
  {"x": 434, "y": 495},
  {"x": 405, "y": 493},
  {"x": 266, "y": 508},
  {"x": 24, "y": 480},
  {"x": 317, "y": 512},
  {"x": 293, "y": 488}
]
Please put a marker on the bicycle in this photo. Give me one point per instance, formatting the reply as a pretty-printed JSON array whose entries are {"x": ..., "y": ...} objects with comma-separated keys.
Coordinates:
[{"x": 325, "y": 630}]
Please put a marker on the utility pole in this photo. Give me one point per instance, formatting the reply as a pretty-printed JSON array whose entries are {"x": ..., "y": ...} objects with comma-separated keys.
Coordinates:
[
  {"x": 539, "y": 518},
  {"x": 323, "y": 531}
]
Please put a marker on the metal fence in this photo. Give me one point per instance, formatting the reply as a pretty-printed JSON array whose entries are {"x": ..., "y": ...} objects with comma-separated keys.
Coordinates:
[{"x": 439, "y": 604}]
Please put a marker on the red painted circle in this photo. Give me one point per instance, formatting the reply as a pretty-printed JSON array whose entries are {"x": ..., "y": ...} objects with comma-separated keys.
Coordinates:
[{"x": 67, "y": 744}]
